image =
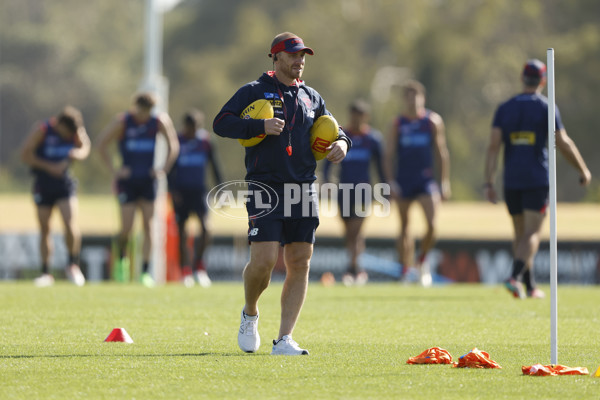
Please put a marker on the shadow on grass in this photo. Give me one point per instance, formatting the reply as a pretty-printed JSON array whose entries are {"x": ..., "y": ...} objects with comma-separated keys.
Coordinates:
[{"x": 128, "y": 355}]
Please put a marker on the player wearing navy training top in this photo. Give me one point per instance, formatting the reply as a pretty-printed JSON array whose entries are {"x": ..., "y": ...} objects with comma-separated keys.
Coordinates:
[
  {"x": 355, "y": 170},
  {"x": 521, "y": 126},
  {"x": 283, "y": 158},
  {"x": 49, "y": 150},
  {"x": 135, "y": 133},
  {"x": 187, "y": 184},
  {"x": 415, "y": 138}
]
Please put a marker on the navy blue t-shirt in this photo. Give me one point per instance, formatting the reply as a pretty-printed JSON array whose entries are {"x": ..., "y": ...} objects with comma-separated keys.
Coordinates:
[
  {"x": 414, "y": 149},
  {"x": 137, "y": 145},
  {"x": 355, "y": 168},
  {"x": 523, "y": 121},
  {"x": 53, "y": 148},
  {"x": 189, "y": 171}
]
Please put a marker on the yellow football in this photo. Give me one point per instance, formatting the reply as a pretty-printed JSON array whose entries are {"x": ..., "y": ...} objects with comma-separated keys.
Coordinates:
[
  {"x": 260, "y": 109},
  {"x": 323, "y": 132}
]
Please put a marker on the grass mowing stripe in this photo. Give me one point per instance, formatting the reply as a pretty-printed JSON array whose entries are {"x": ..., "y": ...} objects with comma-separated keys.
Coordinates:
[{"x": 359, "y": 338}]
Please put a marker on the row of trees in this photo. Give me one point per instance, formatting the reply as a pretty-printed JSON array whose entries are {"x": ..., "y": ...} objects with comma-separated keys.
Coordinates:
[{"x": 469, "y": 54}]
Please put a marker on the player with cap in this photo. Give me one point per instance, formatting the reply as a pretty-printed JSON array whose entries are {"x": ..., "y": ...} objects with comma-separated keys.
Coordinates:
[
  {"x": 521, "y": 126},
  {"x": 281, "y": 161}
]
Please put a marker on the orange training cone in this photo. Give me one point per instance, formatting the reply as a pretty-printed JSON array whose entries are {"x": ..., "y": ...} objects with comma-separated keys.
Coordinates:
[
  {"x": 119, "y": 335},
  {"x": 476, "y": 359},
  {"x": 434, "y": 355},
  {"x": 553, "y": 370}
]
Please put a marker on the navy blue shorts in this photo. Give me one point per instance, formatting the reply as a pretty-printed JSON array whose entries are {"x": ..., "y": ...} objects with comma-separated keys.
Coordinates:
[
  {"x": 46, "y": 193},
  {"x": 186, "y": 202},
  {"x": 535, "y": 199},
  {"x": 282, "y": 213},
  {"x": 411, "y": 189},
  {"x": 132, "y": 190},
  {"x": 282, "y": 230}
]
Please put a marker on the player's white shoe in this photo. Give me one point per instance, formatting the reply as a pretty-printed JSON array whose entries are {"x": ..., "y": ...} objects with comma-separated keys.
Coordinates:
[
  {"x": 188, "y": 281},
  {"x": 147, "y": 280},
  {"x": 536, "y": 294},
  {"x": 286, "y": 346},
  {"x": 361, "y": 278},
  {"x": 248, "y": 337},
  {"x": 75, "y": 275},
  {"x": 44, "y": 280},
  {"x": 348, "y": 279},
  {"x": 425, "y": 277},
  {"x": 202, "y": 278}
]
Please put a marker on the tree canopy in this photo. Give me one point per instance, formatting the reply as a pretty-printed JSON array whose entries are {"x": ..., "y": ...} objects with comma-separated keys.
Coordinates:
[{"x": 469, "y": 55}]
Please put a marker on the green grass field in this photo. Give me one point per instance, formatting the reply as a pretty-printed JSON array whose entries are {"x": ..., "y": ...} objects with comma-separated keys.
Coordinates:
[
  {"x": 359, "y": 338},
  {"x": 472, "y": 220}
]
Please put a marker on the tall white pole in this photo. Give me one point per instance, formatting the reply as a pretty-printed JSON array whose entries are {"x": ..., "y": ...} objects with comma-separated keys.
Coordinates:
[
  {"x": 154, "y": 82},
  {"x": 552, "y": 179}
]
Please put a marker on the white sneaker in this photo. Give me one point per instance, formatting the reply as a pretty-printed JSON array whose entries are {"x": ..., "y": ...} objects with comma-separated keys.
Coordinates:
[
  {"x": 361, "y": 278},
  {"x": 147, "y": 280},
  {"x": 248, "y": 337},
  {"x": 44, "y": 280},
  {"x": 188, "y": 281},
  {"x": 286, "y": 346},
  {"x": 202, "y": 278},
  {"x": 425, "y": 278},
  {"x": 75, "y": 275},
  {"x": 348, "y": 279}
]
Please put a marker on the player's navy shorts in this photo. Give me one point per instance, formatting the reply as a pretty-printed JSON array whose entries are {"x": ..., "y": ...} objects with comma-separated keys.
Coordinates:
[
  {"x": 535, "y": 199},
  {"x": 282, "y": 230},
  {"x": 411, "y": 189},
  {"x": 131, "y": 190},
  {"x": 353, "y": 203},
  {"x": 283, "y": 214},
  {"x": 188, "y": 201},
  {"x": 48, "y": 192}
]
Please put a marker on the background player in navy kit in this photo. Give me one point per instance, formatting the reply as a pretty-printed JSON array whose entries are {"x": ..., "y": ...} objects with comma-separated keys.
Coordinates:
[
  {"x": 136, "y": 132},
  {"x": 521, "y": 126},
  {"x": 187, "y": 184},
  {"x": 355, "y": 169},
  {"x": 415, "y": 138},
  {"x": 49, "y": 150},
  {"x": 284, "y": 157}
]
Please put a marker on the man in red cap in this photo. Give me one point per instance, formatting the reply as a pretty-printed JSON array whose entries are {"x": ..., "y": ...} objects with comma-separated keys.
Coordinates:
[
  {"x": 281, "y": 161},
  {"x": 521, "y": 125}
]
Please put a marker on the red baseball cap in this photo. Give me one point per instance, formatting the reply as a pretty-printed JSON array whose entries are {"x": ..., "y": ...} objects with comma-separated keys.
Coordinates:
[
  {"x": 289, "y": 43},
  {"x": 534, "y": 69}
]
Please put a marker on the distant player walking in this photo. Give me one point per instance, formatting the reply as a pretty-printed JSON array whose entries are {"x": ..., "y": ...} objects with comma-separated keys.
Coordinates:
[
  {"x": 283, "y": 158},
  {"x": 135, "y": 133},
  {"x": 49, "y": 150},
  {"x": 355, "y": 170},
  {"x": 521, "y": 126},
  {"x": 187, "y": 185},
  {"x": 416, "y": 137}
]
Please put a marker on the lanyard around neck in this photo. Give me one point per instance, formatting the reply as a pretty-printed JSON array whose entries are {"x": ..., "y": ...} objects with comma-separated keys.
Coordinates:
[{"x": 291, "y": 123}]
